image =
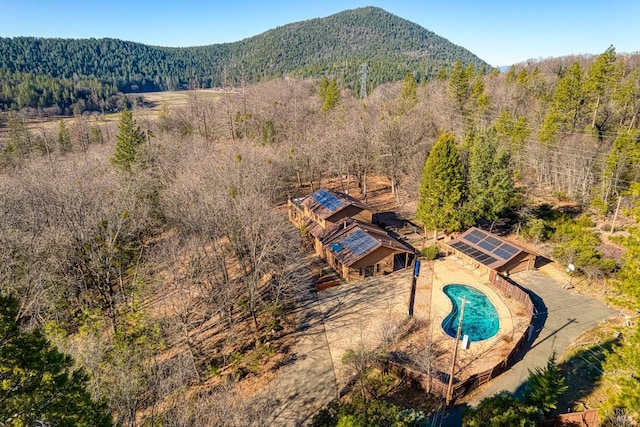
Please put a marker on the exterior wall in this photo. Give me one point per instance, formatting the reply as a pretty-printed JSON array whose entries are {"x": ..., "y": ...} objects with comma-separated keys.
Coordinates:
[
  {"x": 523, "y": 262},
  {"x": 318, "y": 248},
  {"x": 381, "y": 255},
  {"x": 296, "y": 215}
]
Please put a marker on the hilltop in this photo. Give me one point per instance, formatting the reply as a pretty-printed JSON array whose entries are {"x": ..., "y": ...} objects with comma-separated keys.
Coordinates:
[{"x": 45, "y": 72}]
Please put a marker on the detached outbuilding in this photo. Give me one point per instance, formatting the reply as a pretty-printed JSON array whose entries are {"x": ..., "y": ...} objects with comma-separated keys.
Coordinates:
[
  {"x": 491, "y": 253},
  {"x": 343, "y": 234}
]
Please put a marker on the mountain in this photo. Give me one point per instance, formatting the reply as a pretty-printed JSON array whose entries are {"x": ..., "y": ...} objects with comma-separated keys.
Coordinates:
[{"x": 336, "y": 46}]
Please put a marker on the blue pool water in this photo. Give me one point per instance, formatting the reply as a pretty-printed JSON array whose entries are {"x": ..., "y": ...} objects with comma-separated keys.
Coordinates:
[{"x": 480, "y": 320}]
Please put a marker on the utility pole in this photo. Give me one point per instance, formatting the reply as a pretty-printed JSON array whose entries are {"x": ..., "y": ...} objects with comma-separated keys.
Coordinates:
[
  {"x": 414, "y": 280},
  {"x": 455, "y": 353}
]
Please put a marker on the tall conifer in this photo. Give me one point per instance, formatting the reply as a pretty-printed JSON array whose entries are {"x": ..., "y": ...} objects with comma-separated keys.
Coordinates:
[
  {"x": 441, "y": 187},
  {"x": 128, "y": 142}
]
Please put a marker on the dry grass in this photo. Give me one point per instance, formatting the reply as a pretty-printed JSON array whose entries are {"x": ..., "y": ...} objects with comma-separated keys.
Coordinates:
[{"x": 179, "y": 98}]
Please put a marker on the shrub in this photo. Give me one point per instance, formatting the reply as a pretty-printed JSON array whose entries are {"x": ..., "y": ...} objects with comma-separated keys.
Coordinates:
[{"x": 430, "y": 252}]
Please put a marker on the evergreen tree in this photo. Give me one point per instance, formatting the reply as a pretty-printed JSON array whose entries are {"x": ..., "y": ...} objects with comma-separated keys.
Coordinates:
[
  {"x": 599, "y": 83},
  {"x": 441, "y": 187},
  {"x": 566, "y": 105},
  {"x": 408, "y": 92},
  {"x": 128, "y": 141},
  {"x": 490, "y": 184},
  {"x": 18, "y": 136},
  {"x": 628, "y": 275},
  {"x": 64, "y": 137},
  {"x": 622, "y": 164},
  {"x": 322, "y": 89},
  {"x": 514, "y": 133},
  {"x": 38, "y": 385},
  {"x": 331, "y": 96},
  {"x": 622, "y": 364},
  {"x": 545, "y": 386},
  {"x": 459, "y": 85},
  {"x": 502, "y": 410}
]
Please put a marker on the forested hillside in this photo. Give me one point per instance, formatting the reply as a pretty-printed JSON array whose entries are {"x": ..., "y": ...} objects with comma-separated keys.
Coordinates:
[
  {"x": 156, "y": 253},
  {"x": 41, "y": 73}
]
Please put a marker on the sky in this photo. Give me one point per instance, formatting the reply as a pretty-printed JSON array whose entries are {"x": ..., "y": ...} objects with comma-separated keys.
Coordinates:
[{"x": 500, "y": 32}]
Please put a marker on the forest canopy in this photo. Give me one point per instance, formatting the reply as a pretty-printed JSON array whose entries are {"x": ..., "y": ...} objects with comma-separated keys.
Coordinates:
[{"x": 44, "y": 73}]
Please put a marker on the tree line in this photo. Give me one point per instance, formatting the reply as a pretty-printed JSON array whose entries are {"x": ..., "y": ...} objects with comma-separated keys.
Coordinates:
[{"x": 47, "y": 73}]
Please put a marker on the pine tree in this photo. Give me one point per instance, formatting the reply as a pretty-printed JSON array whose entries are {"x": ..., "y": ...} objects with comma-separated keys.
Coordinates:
[
  {"x": 545, "y": 386},
  {"x": 322, "y": 90},
  {"x": 490, "y": 184},
  {"x": 502, "y": 410},
  {"x": 599, "y": 83},
  {"x": 622, "y": 365},
  {"x": 622, "y": 163},
  {"x": 38, "y": 385},
  {"x": 64, "y": 137},
  {"x": 128, "y": 142},
  {"x": 408, "y": 92},
  {"x": 566, "y": 107},
  {"x": 628, "y": 275},
  {"x": 459, "y": 85},
  {"x": 331, "y": 96},
  {"x": 441, "y": 187}
]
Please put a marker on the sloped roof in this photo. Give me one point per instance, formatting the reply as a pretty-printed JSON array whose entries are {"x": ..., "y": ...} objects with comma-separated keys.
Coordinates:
[
  {"x": 351, "y": 240},
  {"x": 486, "y": 248},
  {"x": 325, "y": 203}
]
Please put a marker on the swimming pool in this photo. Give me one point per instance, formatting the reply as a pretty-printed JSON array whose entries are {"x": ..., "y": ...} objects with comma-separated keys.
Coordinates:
[{"x": 480, "y": 319}]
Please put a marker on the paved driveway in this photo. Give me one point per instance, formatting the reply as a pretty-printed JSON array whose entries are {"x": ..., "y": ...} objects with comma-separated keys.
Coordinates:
[
  {"x": 562, "y": 316},
  {"x": 308, "y": 383}
]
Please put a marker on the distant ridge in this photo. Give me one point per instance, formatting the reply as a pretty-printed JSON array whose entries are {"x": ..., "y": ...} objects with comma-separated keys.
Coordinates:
[{"x": 336, "y": 46}]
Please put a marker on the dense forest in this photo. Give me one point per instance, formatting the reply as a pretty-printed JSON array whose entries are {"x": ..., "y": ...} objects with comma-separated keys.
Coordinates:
[
  {"x": 155, "y": 251},
  {"x": 42, "y": 73}
]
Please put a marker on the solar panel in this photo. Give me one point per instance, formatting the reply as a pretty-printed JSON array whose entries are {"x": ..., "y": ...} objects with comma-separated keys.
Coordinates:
[
  {"x": 359, "y": 242},
  {"x": 483, "y": 258},
  {"x": 490, "y": 261},
  {"x": 457, "y": 245},
  {"x": 327, "y": 200},
  {"x": 506, "y": 251},
  {"x": 474, "y": 253},
  {"x": 489, "y": 243},
  {"x": 475, "y": 236},
  {"x": 337, "y": 247}
]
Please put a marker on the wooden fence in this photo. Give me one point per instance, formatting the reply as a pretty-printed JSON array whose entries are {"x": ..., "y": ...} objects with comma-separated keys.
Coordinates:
[
  {"x": 437, "y": 383},
  {"x": 587, "y": 418}
]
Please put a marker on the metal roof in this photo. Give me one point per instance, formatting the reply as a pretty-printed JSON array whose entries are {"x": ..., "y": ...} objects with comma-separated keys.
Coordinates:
[
  {"x": 486, "y": 248},
  {"x": 351, "y": 240},
  {"x": 325, "y": 203}
]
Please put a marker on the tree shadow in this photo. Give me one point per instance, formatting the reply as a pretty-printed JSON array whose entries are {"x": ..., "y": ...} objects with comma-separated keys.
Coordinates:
[{"x": 583, "y": 373}]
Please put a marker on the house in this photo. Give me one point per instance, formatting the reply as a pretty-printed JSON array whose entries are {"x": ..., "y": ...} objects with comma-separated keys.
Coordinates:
[
  {"x": 327, "y": 207},
  {"x": 341, "y": 230},
  {"x": 490, "y": 253}
]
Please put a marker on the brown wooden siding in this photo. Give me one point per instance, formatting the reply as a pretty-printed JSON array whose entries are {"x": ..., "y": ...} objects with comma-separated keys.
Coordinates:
[
  {"x": 522, "y": 262},
  {"x": 379, "y": 255}
]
